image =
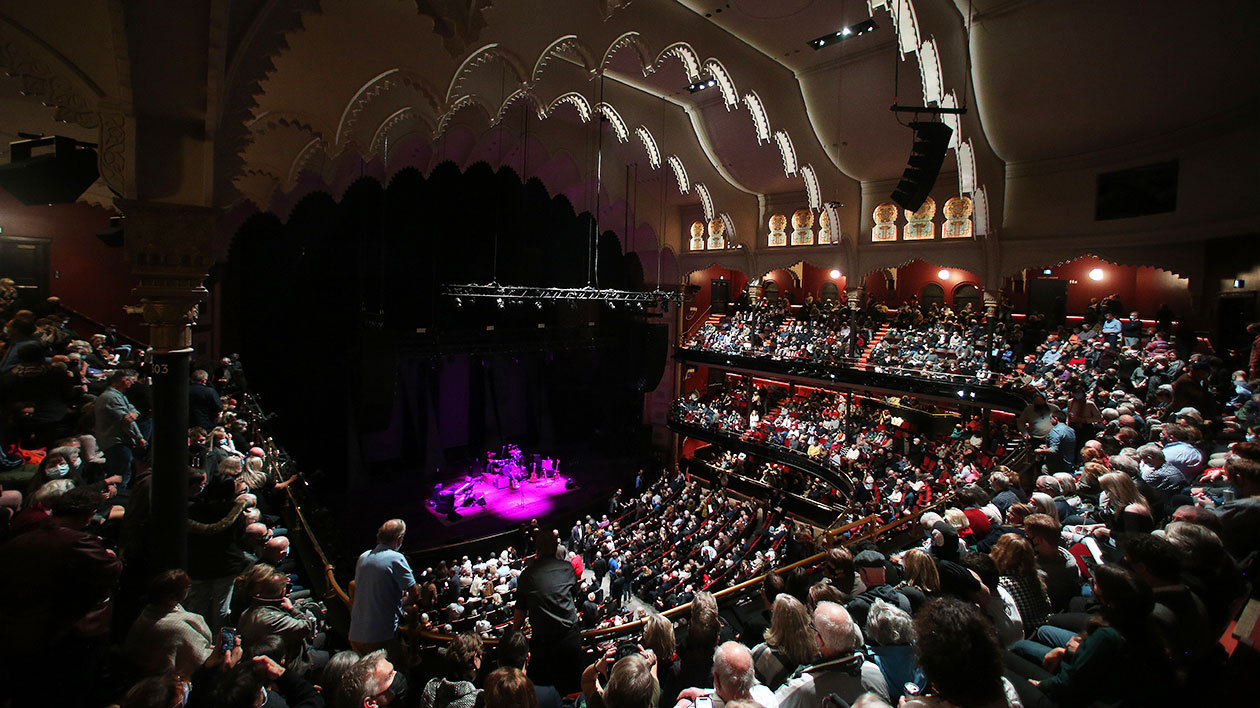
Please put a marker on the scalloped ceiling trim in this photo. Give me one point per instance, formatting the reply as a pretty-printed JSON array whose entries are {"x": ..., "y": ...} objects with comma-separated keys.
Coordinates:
[
  {"x": 360, "y": 95},
  {"x": 930, "y": 72},
  {"x": 812, "y": 190},
  {"x": 683, "y": 51},
  {"x": 517, "y": 95},
  {"x": 981, "y": 214},
  {"x": 760, "y": 120},
  {"x": 635, "y": 42},
  {"x": 382, "y": 130},
  {"x": 719, "y": 73},
  {"x": 619, "y": 125},
  {"x": 481, "y": 57},
  {"x": 966, "y": 168},
  {"x": 567, "y": 43},
  {"x": 787, "y": 151},
  {"x": 706, "y": 201},
  {"x": 680, "y": 173},
  {"x": 730, "y": 226},
  {"x": 575, "y": 99},
  {"x": 444, "y": 121},
  {"x": 649, "y": 144}
]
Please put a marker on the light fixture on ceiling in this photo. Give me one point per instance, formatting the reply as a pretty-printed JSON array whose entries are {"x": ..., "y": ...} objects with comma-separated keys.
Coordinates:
[
  {"x": 835, "y": 274},
  {"x": 1097, "y": 274},
  {"x": 1046, "y": 271},
  {"x": 844, "y": 33},
  {"x": 702, "y": 85},
  {"x": 943, "y": 273}
]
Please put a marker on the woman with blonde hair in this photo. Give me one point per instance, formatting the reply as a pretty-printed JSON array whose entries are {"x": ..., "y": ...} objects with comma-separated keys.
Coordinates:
[
  {"x": 921, "y": 580},
  {"x": 1017, "y": 564},
  {"x": 789, "y": 642},
  {"x": 1122, "y": 507}
]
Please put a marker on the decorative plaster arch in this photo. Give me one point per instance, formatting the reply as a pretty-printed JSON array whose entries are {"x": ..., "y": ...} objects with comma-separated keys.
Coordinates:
[
  {"x": 570, "y": 43},
  {"x": 812, "y": 191},
  {"x": 618, "y": 124},
  {"x": 723, "y": 78},
  {"x": 376, "y": 87},
  {"x": 684, "y": 53},
  {"x": 706, "y": 201},
  {"x": 574, "y": 99},
  {"x": 761, "y": 122},
  {"x": 481, "y": 57},
  {"x": 634, "y": 41},
  {"x": 385, "y": 129},
  {"x": 649, "y": 144},
  {"x": 520, "y": 94},
  {"x": 444, "y": 121},
  {"x": 304, "y": 158},
  {"x": 786, "y": 150},
  {"x": 680, "y": 173}
]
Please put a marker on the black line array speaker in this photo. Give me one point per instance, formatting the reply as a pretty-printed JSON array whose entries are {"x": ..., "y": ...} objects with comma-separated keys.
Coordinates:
[
  {"x": 52, "y": 178},
  {"x": 931, "y": 140}
]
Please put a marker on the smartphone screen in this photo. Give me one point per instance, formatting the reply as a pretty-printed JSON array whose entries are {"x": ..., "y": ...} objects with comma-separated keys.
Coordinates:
[
  {"x": 227, "y": 639},
  {"x": 704, "y": 702}
]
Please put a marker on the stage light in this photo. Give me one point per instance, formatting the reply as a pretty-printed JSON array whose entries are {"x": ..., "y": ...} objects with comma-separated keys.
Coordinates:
[
  {"x": 843, "y": 33},
  {"x": 538, "y": 304},
  {"x": 459, "y": 302},
  {"x": 961, "y": 393},
  {"x": 1239, "y": 283},
  {"x": 1046, "y": 271},
  {"x": 943, "y": 274},
  {"x": 499, "y": 301},
  {"x": 835, "y": 274},
  {"x": 1096, "y": 274}
]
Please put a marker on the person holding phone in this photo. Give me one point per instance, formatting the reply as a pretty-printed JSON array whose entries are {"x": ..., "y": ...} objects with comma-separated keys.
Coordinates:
[{"x": 734, "y": 679}]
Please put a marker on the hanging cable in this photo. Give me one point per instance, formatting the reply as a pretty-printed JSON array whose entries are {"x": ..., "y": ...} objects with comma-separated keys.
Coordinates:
[{"x": 599, "y": 173}]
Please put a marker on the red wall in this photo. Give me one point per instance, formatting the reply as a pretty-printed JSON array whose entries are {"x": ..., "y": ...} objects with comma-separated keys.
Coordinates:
[
  {"x": 813, "y": 279},
  {"x": 85, "y": 273},
  {"x": 703, "y": 297},
  {"x": 1140, "y": 288},
  {"x": 914, "y": 275}
]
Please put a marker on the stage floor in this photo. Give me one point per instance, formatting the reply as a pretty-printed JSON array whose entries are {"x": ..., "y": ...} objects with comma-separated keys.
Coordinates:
[{"x": 531, "y": 500}]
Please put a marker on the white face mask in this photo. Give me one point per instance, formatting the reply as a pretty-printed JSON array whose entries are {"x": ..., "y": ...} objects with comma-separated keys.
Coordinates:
[{"x": 58, "y": 471}]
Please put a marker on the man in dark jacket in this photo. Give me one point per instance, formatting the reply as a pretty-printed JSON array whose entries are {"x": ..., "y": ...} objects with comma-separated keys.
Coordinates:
[
  {"x": 872, "y": 569},
  {"x": 204, "y": 405}
]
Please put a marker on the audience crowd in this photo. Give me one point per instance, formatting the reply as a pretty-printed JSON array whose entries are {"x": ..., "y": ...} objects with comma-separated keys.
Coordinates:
[{"x": 1103, "y": 569}]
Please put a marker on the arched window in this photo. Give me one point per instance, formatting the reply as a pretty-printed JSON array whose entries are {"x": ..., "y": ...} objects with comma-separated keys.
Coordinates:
[
  {"x": 932, "y": 293},
  {"x": 770, "y": 291},
  {"x": 968, "y": 294},
  {"x": 830, "y": 291}
]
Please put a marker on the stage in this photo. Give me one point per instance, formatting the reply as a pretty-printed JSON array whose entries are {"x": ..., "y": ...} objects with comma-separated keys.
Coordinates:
[{"x": 530, "y": 500}]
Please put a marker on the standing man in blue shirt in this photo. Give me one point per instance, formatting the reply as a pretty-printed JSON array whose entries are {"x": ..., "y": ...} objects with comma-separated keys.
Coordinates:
[
  {"x": 382, "y": 579},
  {"x": 1060, "y": 447}
]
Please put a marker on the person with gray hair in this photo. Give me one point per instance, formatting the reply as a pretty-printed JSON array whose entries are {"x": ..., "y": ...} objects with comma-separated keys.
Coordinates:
[
  {"x": 842, "y": 669},
  {"x": 890, "y": 633},
  {"x": 1157, "y": 472},
  {"x": 733, "y": 679}
]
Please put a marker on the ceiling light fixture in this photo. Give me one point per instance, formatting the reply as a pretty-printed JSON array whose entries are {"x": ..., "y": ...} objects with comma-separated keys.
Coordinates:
[
  {"x": 702, "y": 85},
  {"x": 1096, "y": 274},
  {"x": 844, "y": 33},
  {"x": 835, "y": 275},
  {"x": 944, "y": 273}
]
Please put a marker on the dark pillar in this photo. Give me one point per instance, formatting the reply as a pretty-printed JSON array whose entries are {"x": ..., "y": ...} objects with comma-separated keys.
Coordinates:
[
  {"x": 170, "y": 459},
  {"x": 168, "y": 246}
]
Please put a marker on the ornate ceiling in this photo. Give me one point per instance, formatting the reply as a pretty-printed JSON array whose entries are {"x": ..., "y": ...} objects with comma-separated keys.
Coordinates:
[{"x": 591, "y": 96}]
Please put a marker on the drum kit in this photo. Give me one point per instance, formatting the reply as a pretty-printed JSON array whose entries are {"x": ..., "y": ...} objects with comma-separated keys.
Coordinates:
[{"x": 511, "y": 467}]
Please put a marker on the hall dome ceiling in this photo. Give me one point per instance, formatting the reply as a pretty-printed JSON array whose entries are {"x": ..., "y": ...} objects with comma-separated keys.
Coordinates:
[{"x": 316, "y": 85}]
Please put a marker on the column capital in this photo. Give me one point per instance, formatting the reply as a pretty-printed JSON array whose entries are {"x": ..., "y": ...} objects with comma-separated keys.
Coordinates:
[{"x": 168, "y": 246}]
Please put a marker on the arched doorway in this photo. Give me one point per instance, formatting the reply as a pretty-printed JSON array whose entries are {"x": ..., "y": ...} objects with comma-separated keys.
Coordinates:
[
  {"x": 931, "y": 293},
  {"x": 770, "y": 291},
  {"x": 830, "y": 291},
  {"x": 968, "y": 294}
]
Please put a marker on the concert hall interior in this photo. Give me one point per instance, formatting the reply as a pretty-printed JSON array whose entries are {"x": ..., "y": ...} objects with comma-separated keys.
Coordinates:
[{"x": 634, "y": 353}]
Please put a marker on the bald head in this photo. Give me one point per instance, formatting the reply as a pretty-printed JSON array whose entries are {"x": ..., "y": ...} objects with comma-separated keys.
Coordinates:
[
  {"x": 837, "y": 634},
  {"x": 391, "y": 533},
  {"x": 733, "y": 674}
]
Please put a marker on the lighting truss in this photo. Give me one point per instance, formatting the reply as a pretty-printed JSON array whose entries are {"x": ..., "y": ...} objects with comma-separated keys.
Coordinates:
[{"x": 516, "y": 293}]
